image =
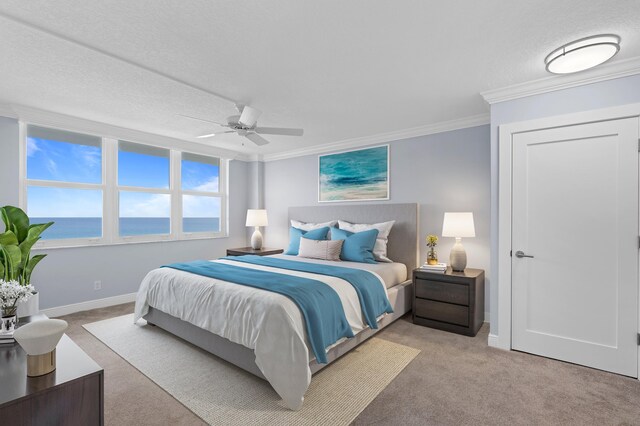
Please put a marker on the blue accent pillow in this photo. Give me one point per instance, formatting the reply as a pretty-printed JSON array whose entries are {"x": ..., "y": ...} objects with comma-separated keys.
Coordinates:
[
  {"x": 358, "y": 246},
  {"x": 295, "y": 234}
]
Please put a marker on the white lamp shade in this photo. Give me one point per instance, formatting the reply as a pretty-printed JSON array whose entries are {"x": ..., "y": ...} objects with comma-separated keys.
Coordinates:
[
  {"x": 40, "y": 337},
  {"x": 257, "y": 217},
  {"x": 458, "y": 224}
]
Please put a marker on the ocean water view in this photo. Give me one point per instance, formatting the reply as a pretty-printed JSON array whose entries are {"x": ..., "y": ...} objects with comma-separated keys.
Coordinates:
[{"x": 91, "y": 227}]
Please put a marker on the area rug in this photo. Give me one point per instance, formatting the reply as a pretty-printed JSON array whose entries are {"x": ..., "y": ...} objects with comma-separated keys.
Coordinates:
[{"x": 222, "y": 394}]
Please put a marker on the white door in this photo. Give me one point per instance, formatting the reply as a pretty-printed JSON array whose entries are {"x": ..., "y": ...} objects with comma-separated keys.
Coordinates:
[{"x": 575, "y": 211}]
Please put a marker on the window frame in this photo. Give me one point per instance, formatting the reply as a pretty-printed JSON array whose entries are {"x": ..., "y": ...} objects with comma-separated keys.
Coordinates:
[{"x": 111, "y": 190}]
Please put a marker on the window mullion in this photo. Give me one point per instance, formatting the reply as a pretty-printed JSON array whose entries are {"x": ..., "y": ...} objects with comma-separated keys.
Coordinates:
[
  {"x": 110, "y": 176},
  {"x": 224, "y": 184},
  {"x": 62, "y": 184},
  {"x": 145, "y": 190},
  {"x": 22, "y": 179},
  {"x": 176, "y": 194}
]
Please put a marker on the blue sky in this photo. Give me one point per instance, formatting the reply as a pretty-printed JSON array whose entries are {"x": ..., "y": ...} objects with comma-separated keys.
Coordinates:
[{"x": 61, "y": 161}]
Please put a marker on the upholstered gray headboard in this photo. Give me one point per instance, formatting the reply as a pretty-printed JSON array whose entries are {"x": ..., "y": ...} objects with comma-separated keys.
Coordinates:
[{"x": 403, "y": 239}]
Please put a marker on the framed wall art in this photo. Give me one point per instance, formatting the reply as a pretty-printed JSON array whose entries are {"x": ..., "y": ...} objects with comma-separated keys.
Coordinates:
[{"x": 358, "y": 175}]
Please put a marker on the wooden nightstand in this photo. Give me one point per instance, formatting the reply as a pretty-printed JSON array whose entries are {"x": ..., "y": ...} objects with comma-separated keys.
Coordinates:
[
  {"x": 242, "y": 251},
  {"x": 73, "y": 394},
  {"x": 453, "y": 301}
]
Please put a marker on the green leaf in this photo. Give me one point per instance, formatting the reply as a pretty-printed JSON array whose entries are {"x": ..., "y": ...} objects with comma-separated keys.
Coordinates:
[
  {"x": 37, "y": 229},
  {"x": 1, "y": 269},
  {"x": 30, "y": 265},
  {"x": 25, "y": 248},
  {"x": 8, "y": 238},
  {"x": 12, "y": 257},
  {"x": 17, "y": 220}
]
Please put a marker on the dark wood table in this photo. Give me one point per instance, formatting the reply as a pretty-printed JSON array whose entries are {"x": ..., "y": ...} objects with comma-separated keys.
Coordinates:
[
  {"x": 242, "y": 251},
  {"x": 453, "y": 301},
  {"x": 73, "y": 394}
]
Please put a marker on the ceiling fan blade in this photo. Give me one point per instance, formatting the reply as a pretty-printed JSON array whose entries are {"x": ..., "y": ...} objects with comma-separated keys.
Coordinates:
[
  {"x": 210, "y": 135},
  {"x": 202, "y": 119},
  {"x": 257, "y": 139},
  {"x": 279, "y": 131},
  {"x": 249, "y": 116}
]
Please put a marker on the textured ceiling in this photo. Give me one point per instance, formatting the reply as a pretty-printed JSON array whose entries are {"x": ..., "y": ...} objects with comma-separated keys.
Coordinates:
[{"x": 339, "y": 69}]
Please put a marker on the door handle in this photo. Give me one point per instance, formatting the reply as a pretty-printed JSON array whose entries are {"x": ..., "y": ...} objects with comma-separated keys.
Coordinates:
[{"x": 520, "y": 254}]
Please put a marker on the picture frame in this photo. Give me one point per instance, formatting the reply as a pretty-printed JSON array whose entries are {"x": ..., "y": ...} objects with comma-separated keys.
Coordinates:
[{"x": 354, "y": 175}]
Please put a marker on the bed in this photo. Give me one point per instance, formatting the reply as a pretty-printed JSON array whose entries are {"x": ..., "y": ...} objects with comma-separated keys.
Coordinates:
[{"x": 260, "y": 331}]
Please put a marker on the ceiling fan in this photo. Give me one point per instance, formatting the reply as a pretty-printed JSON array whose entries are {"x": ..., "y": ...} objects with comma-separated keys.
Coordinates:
[{"x": 245, "y": 124}]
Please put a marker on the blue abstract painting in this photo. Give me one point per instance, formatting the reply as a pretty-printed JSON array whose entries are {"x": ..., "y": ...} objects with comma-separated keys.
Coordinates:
[{"x": 354, "y": 175}]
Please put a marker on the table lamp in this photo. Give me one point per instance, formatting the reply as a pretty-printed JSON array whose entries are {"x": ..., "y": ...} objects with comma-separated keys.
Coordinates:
[
  {"x": 256, "y": 218},
  {"x": 39, "y": 340},
  {"x": 458, "y": 225}
]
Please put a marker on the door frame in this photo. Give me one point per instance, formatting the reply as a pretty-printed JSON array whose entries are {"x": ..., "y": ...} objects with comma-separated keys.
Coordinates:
[{"x": 505, "y": 176}]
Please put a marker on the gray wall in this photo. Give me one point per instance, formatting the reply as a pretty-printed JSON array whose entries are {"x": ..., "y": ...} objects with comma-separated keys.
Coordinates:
[
  {"x": 67, "y": 275},
  {"x": 443, "y": 172},
  {"x": 604, "y": 94}
]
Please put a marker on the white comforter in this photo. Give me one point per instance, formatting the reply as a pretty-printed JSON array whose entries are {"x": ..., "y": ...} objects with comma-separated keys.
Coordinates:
[{"x": 269, "y": 323}]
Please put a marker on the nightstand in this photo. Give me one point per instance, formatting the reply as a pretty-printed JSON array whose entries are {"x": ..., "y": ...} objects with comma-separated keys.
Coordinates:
[
  {"x": 242, "y": 251},
  {"x": 453, "y": 301}
]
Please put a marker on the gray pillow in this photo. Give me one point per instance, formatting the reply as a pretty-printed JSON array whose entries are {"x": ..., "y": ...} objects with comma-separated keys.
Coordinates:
[{"x": 320, "y": 249}]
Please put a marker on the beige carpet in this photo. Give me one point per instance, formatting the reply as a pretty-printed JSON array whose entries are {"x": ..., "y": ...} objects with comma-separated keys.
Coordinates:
[{"x": 221, "y": 393}]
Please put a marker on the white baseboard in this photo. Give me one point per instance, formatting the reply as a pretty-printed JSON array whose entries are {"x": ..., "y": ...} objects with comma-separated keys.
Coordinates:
[
  {"x": 493, "y": 341},
  {"x": 88, "y": 305}
]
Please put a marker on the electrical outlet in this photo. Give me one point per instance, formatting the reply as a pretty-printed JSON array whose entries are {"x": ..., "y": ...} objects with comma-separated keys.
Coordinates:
[{"x": 97, "y": 285}]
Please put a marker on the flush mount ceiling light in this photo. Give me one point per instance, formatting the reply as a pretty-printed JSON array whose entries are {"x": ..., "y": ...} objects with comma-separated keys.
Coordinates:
[{"x": 582, "y": 54}]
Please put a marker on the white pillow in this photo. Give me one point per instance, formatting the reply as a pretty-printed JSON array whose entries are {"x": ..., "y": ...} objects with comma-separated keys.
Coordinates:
[
  {"x": 310, "y": 226},
  {"x": 320, "y": 249},
  {"x": 380, "y": 249}
]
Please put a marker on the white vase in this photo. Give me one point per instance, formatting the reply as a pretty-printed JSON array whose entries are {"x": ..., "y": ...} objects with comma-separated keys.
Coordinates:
[
  {"x": 30, "y": 307},
  {"x": 8, "y": 323}
]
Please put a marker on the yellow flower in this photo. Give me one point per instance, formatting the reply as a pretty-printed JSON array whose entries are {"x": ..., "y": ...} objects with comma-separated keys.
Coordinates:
[{"x": 432, "y": 240}]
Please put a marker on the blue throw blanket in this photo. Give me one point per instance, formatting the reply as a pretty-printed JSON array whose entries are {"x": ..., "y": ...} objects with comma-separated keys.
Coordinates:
[
  {"x": 320, "y": 305},
  {"x": 373, "y": 300}
]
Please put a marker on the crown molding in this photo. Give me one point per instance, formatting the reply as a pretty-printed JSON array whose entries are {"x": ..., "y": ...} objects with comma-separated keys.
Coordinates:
[
  {"x": 604, "y": 72},
  {"x": 430, "y": 129},
  {"x": 66, "y": 122},
  {"x": 7, "y": 111},
  {"x": 248, "y": 157}
]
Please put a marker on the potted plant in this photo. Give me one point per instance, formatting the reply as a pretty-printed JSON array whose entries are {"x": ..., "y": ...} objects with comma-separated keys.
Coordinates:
[
  {"x": 16, "y": 262},
  {"x": 11, "y": 294},
  {"x": 432, "y": 255}
]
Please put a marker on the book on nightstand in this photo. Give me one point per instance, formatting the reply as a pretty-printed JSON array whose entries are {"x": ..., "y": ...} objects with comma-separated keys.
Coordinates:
[
  {"x": 6, "y": 337},
  {"x": 440, "y": 268}
]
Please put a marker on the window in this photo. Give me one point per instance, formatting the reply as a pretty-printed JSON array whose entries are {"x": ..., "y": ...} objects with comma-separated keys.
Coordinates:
[
  {"x": 143, "y": 189},
  {"x": 64, "y": 182},
  {"x": 201, "y": 201},
  {"x": 102, "y": 191}
]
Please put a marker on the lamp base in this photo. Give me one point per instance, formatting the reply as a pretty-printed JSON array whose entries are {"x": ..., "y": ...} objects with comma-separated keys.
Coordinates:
[
  {"x": 256, "y": 239},
  {"x": 39, "y": 365},
  {"x": 458, "y": 257}
]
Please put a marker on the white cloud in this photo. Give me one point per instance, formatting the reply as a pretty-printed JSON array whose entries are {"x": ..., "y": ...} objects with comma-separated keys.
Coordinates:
[
  {"x": 88, "y": 155},
  {"x": 209, "y": 186},
  {"x": 32, "y": 147},
  {"x": 52, "y": 166},
  {"x": 145, "y": 205},
  {"x": 64, "y": 202},
  {"x": 198, "y": 206}
]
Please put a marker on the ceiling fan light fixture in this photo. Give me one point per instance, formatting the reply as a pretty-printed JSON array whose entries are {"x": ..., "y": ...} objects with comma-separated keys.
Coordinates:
[
  {"x": 249, "y": 116},
  {"x": 582, "y": 54}
]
